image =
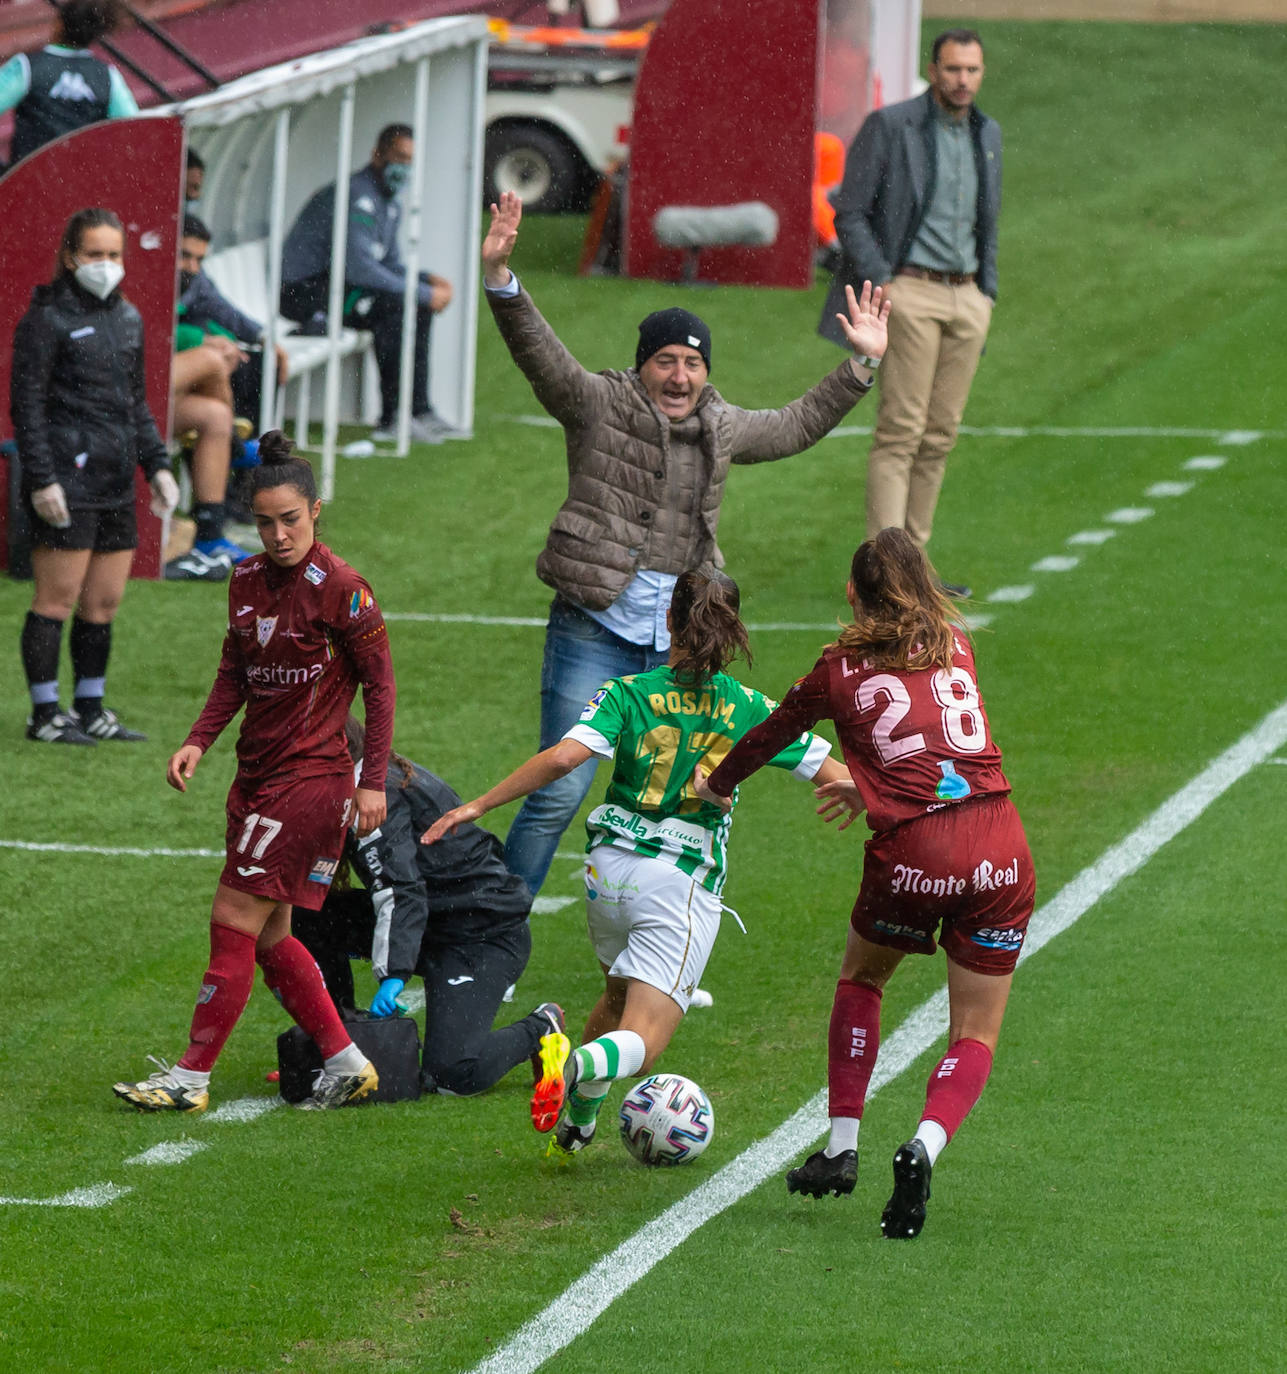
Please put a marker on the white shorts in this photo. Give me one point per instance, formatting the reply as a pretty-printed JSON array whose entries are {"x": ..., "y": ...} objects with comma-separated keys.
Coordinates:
[{"x": 650, "y": 921}]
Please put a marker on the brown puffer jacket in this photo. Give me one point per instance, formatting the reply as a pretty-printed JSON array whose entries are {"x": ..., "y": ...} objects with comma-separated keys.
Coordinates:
[{"x": 642, "y": 492}]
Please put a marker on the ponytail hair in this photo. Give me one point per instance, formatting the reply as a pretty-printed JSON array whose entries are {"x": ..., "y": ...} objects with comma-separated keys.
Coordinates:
[
  {"x": 705, "y": 625},
  {"x": 902, "y": 618},
  {"x": 280, "y": 466}
]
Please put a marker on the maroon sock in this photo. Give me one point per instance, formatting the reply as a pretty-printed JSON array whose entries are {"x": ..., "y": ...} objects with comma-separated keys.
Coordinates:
[
  {"x": 292, "y": 973},
  {"x": 225, "y": 990},
  {"x": 852, "y": 1045},
  {"x": 956, "y": 1084}
]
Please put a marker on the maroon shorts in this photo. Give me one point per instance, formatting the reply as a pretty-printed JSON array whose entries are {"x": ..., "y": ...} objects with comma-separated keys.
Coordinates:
[
  {"x": 284, "y": 840},
  {"x": 965, "y": 872}
]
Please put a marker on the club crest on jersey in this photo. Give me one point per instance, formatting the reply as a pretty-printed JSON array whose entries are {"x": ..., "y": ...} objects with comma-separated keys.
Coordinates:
[
  {"x": 314, "y": 574},
  {"x": 361, "y": 602},
  {"x": 594, "y": 703},
  {"x": 264, "y": 627}
]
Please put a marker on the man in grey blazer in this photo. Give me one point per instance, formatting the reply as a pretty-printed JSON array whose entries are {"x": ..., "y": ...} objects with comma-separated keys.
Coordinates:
[{"x": 917, "y": 212}]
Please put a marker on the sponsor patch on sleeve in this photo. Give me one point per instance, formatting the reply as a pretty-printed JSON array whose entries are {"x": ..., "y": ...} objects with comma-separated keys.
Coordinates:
[
  {"x": 360, "y": 602},
  {"x": 594, "y": 703},
  {"x": 315, "y": 575}
]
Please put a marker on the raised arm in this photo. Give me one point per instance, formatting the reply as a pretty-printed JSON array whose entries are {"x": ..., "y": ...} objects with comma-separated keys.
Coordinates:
[
  {"x": 545, "y": 767},
  {"x": 761, "y": 435},
  {"x": 502, "y": 235}
]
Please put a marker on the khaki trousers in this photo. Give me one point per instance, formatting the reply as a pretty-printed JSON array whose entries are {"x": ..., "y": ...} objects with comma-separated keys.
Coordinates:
[{"x": 936, "y": 334}]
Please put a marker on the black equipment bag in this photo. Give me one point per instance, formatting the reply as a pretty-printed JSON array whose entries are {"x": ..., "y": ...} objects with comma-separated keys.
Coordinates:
[{"x": 391, "y": 1043}]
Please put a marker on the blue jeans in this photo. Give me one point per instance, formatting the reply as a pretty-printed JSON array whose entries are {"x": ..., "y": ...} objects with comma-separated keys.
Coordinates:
[{"x": 580, "y": 656}]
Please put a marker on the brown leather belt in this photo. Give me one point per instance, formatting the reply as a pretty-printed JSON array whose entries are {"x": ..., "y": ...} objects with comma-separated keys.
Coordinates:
[{"x": 929, "y": 274}]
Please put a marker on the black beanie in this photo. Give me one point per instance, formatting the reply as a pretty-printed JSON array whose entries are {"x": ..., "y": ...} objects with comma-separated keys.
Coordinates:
[{"x": 673, "y": 326}]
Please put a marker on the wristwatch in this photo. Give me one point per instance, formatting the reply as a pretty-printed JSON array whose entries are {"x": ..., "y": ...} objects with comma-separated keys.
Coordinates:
[{"x": 864, "y": 361}]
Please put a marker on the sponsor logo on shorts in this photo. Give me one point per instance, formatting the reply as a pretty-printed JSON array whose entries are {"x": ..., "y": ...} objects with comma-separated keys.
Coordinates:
[
  {"x": 251, "y": 871},
  {"x": 264, "y": 627},
  {"x": 360, "y": 602},
  {"x": 992, "y": 937},
  {"x": 905, "y": 932},
  {"x": 594, "y": 703},
  {"x": 208, "y": 990},
  {"x": 314, "y": 574},
  {"x": 323, "y": 871},
  {"x": 457, "y": 982},
  {"x": 917, "y": 881},
  {"x": 988, "y": 878}
]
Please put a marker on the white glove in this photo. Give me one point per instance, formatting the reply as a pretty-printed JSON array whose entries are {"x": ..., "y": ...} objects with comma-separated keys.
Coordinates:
[
  {"x": 165, "y": 493},
  {"x": 51, "y": 505}
]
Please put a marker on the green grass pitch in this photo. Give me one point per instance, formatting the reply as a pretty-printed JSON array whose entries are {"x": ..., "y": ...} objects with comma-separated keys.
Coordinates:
[{"x": 1113, "y": 1203}]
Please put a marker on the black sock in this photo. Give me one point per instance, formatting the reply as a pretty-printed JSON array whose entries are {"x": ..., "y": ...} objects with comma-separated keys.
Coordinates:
[
  {"x": 91, "y": 647},
  {"x": 209, "y": 518},
  {"x": 41, "y": 641}
]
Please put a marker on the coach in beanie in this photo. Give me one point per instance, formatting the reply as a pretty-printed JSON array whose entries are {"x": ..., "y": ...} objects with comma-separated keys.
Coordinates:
[{"x": 673, "y": 326}]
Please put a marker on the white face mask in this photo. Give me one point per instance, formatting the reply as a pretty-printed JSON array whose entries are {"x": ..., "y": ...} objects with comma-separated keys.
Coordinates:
[{"x": 100, "y": 278}]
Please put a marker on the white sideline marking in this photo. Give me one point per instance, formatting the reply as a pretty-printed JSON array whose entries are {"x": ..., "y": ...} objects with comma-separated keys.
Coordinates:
[
  {"x": 1223, "y": 436},
  {"x": 1020, "y": 593},
  {"x": 97, "y": 1195},
  {"x": 168, "y": 1152},
  {"x": 539, "y": 622},
  {"x": 242, "y": 1109},
  {"x": 591, "y": 1295},
  {"x": 547, "y": 906},
  {"x": 1090, "y": 537},
  {"x": 1205, "y": 462},
  {"x": 1129, "y": 515},
  {"x": 113, "y": 851},
  {"x": 1169, "y": 489},
  {"x": 1055, "y": 562}
]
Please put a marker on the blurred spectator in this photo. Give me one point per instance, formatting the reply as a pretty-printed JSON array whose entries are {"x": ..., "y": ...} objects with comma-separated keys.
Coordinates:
[
  {"x": 194, "y": 178},
  {"x": 450, "y": 912},
  {"x": 82, "y": 425},
  {"x": 203, "y": 309},
  {"x": 374, "y": 278},
  {"x": 202, "y": 421},
  {"x": 64, "y": 87}
]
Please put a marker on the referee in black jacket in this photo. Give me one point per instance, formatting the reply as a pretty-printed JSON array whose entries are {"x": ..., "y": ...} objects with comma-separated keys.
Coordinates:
[{"x": 450, "y": 912}]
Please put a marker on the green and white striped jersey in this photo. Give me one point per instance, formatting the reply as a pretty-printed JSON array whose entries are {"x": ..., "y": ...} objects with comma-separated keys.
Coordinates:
[{"x": 656, "y": 729}]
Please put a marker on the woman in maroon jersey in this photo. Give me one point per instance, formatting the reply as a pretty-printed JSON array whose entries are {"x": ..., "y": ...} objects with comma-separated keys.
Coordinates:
[
  {"x": 948, "y": 852},
  {"x": 304, "y": 633}
]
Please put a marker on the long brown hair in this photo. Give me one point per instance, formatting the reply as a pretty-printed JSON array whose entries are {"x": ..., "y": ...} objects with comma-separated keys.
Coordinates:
[
  {"x": 705, "y": 624},
  {"x": 902, "y": 618}
]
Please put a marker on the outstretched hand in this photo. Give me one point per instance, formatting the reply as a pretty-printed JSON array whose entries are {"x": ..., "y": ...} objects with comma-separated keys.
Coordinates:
[
  {"x": 502, "y": 235},
  {"x": 866, "y": 326},
  {"x": 451, "y": 821},
  {"x": 840, "y": 800}
]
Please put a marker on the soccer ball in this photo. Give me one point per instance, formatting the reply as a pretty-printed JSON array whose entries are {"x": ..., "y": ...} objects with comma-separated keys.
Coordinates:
[{"x": 666, "y": 1119}]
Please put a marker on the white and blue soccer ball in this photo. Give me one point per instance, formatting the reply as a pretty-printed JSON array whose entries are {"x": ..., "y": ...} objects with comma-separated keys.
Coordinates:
[{"x": 666, "y": 1119}]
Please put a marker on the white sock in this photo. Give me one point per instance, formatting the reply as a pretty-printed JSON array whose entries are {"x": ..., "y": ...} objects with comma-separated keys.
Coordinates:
[
  {"x": 844, "y": 1136},
  {"x": 190, "y": 1078},
  {"x": 619, "y": 1054},
  {"x": 933, "y": 1137},
  {"x": 349, "y": 1060}
]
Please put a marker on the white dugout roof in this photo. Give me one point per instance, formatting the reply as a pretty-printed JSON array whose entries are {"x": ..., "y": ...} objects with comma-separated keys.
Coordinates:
[{"x": 272, "y": 138}]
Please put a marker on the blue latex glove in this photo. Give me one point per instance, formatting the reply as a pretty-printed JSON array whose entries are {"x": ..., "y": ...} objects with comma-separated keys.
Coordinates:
[{"x": 384, "y": 1003}]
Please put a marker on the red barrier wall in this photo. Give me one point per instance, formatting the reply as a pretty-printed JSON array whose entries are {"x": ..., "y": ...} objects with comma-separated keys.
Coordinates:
[
  {"x": 725, "y": 110},
  {"x": 131, "y": 166}
]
